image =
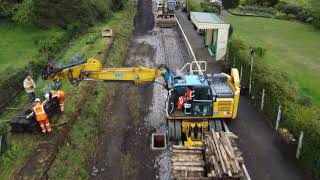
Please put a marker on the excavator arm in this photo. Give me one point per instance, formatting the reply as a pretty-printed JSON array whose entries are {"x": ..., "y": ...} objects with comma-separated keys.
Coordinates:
[{"x": 92, "y": 70}]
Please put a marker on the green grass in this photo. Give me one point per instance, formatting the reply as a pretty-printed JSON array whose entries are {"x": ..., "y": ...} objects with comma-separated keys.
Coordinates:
[
  {"x": 18, "y": 43},
  {"x": 292, "y": 47}
]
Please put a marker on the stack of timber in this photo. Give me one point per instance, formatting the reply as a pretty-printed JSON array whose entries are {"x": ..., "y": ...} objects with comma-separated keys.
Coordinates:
[
  {"x": 187, "y": 162},
  {"x": 223, "y": 158},
  {"x": 287, "y": 136}
]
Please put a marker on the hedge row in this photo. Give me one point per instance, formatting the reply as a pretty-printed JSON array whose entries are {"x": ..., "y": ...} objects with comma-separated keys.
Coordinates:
[
  {"x": 202, "y": 7},
  {"x": 297, "y": 115}
]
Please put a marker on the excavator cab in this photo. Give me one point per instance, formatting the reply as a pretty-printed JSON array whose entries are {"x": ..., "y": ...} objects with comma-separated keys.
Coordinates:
[{"x": 198, "y": 102}]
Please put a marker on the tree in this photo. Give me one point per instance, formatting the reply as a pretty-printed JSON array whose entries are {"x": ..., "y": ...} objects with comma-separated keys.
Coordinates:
[{"x": 23, "y": 13}]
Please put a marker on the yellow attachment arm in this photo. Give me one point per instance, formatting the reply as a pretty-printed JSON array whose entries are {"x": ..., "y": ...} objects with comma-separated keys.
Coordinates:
[
  {"x": 92, "y": 70},
  {"x": 235, "y": 77}
]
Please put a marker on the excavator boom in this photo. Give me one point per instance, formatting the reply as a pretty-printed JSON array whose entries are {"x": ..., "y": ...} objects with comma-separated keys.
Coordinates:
[{"x": 92, "y": 70}]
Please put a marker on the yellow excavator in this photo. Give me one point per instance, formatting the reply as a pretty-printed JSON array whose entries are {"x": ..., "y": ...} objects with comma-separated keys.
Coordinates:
[{"x": 195, "y": 103}]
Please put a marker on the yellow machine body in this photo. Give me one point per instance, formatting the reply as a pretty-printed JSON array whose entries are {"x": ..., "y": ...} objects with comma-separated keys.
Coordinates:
[
  {"x": 193, "y": 132},
  {"x": 92, "y": 70}
]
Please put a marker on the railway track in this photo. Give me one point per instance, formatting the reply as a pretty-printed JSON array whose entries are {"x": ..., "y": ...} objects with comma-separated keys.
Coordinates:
[{"x": 173, "y": 54}]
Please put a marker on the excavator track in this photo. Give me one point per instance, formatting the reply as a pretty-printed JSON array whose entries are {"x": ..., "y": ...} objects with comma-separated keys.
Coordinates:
[
  {"x": 171, "y": 130},
  {"x": 178, "y": 133}
]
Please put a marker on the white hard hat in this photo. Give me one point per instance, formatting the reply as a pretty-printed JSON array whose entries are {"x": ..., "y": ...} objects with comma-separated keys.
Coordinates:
[
  {"x": 47, "y": 96},
  {"x": 37, "y": 100}
]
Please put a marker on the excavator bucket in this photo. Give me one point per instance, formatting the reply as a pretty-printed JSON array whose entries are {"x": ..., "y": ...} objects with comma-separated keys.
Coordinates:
[{"x": 166, "y": 22}]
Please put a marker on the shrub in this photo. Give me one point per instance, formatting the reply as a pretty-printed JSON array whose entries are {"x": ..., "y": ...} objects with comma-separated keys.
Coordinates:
[
  {"x": 194, "y": 6},
  {"x": 260, "y": 51},
  {"x": 74, "y": 29},
  {"x": 256, "y": 10},
  {"x": 24, "y": 13},
  {"x": 64, "y": 12},
  {"x": 208, "y": 7},
  {"x": 260, "y": 2},
  {"x": 229, "y": 4},
  {"x": 292, "y": 9},
  {"x": 51, "y": 46},
  {"x": 289, "y": 8},
  {"x": 7, "y": 8},
  {"x": 280, "y": 5}
]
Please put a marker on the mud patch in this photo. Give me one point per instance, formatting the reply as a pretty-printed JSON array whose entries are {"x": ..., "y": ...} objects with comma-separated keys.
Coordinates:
[{"x": 144, "y": 20}]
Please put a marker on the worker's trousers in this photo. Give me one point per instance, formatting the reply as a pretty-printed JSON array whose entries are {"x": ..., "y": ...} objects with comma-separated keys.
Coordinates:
[
  {"x": 32, "y": 96},
  {"x": 45, "y": 126}
]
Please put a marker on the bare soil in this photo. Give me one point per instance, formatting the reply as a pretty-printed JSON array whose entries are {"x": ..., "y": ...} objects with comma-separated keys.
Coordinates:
[
  {"x": 144, "y": 20},
  {"x": 123, "y": 149}
]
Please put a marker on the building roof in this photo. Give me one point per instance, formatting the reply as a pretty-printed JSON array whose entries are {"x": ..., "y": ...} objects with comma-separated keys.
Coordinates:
[{"x": 208, "y": 21}]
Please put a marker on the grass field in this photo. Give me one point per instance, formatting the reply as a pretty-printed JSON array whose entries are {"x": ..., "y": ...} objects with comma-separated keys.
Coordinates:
[
  {"x": 18, "y": 43},
  {"x": 292, "y": 47}
]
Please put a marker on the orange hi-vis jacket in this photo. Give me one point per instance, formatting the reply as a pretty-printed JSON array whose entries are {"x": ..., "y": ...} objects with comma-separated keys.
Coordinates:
[
  {"x": 180, "y": 102},
  {"x": 188, "y": 94},
  {"x": 41, "y": 115},
  {"x": 58, "y": 94}
]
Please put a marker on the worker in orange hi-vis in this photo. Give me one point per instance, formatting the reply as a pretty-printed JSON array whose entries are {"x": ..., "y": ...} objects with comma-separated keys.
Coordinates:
[
  {"x": 58, "y": 95},
  {"x": 189, "y": 94},
  {"x": 181, "y": 100},
  {"x": 41, "y": 116}
]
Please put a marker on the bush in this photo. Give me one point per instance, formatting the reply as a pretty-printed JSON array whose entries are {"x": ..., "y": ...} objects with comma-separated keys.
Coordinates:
[
  {"x": 229, "y": 4},
  {"x": 194, "y": 6},
  {"x": 260, "y": 51},
  {"x": 64, "y": 12},
  {"x": 260, "y": 2},
  {"x": 298, "y": 114},
  {"x": 256, "y": 10},
  {"x": 24, "y": 13},
  {"x": 289, "y": 8},
  {"x": 51, "y": 46},
  {"x": 74, "y": 29},
  {"x": 7, "y": 8},
  {"x": 208, "y": 7},
  {"x": 292, "y": 9}
]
